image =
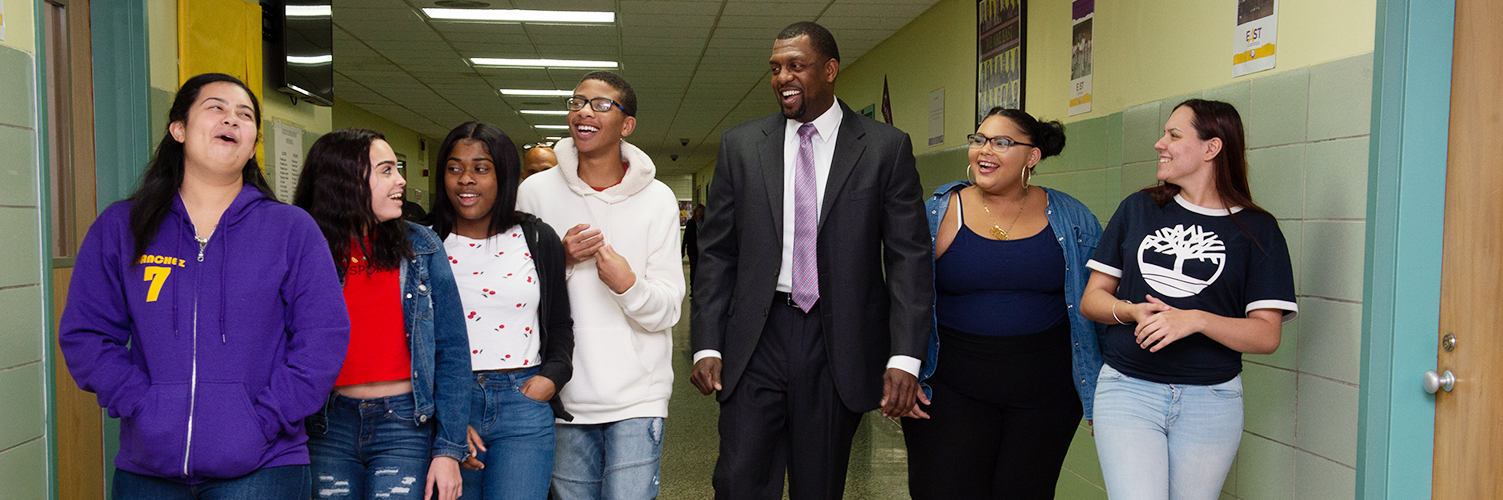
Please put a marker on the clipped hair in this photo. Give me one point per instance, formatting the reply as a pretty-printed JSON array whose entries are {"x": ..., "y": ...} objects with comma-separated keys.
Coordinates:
[
  {"x": 819, "y": 38},
  {"x": 628, "y": 99}
]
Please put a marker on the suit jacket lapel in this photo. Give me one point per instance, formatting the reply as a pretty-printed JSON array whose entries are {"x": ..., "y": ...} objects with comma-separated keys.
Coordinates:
[
  {"x": 771, "y": 153},
  {"x": 848, "y": 150}
]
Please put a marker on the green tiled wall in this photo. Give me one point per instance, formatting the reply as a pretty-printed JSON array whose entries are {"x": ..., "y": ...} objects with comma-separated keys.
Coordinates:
[
  {"x": 23, "y": 446},
  {"x": 1307, "y": 150}
]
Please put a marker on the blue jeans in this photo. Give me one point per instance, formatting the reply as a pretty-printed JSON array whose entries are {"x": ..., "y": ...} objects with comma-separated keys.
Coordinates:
[
  {"x": 369, "y": 448},
  {"x": 289, "y": 482},
  {"x": 1166, "y": 441},
  {"x": 518, "y": 435},
  {"x": 614, "y": 461}
]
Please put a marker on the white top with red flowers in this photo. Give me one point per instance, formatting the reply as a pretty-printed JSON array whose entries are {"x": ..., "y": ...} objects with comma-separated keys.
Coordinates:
[{"x": 498, "y": 285}]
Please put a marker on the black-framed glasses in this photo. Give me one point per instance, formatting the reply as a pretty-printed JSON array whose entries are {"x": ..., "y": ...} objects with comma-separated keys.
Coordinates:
[
  {"x": 598, "y": 104},
  {"x": 999, "y": 143}
]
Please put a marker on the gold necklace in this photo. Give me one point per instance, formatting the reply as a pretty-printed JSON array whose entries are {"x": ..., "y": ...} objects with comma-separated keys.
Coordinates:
[{"x": 997, "y": 231}]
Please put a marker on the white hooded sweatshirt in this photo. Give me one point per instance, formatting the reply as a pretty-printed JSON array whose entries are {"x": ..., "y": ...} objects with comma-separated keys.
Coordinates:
[{"x": 622, "y": 343}]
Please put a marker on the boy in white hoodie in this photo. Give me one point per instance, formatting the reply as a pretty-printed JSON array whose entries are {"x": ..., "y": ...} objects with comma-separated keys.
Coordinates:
[{"x": 626, "y": 288}]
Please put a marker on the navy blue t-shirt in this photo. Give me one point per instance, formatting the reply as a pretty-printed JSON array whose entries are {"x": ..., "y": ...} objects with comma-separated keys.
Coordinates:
[{"x": 1191, "y": 257}]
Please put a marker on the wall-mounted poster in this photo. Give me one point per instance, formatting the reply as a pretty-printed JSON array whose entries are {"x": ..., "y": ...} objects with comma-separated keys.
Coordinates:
[
  {"x": 1083, "y": 15},
  {"x": 999, "y": 55},
  {"x": 2, "y": 20},
  {"x": 1253, "y": 41}
]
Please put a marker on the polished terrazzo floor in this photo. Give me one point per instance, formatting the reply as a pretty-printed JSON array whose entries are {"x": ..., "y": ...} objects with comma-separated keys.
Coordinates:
[{"x": 878, "y": 469}]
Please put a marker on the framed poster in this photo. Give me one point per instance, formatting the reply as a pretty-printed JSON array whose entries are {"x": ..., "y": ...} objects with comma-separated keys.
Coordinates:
[
  {"x": 1000, "y": 57},
  {"x": 1256, "y": 35},
  {"x": 1082, "y": 19}
]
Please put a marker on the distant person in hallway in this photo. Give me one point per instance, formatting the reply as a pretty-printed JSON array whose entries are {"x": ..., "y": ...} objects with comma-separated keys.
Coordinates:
[
  {"x": 626, "y": 290},
  {"x": 538, "y": 159},
  {"x": 691, "y": 239},
  {"x": 394, "y": 426},
  {"x": 509, "y": 267},
  {"x": 1019, "y": 362},
  {"x": 817, "y": 289},
  {"x": 203, "y": 252},
  {"x": 1189, "y": 275}
]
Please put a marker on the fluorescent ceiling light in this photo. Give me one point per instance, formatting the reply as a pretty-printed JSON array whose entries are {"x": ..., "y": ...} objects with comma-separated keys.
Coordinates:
[
  {"x": 554, "y": 138},
  {"x": 542, "y": 63},
  {"x": 551, "y": 127},
  {"x": 544, "y": 112},
  {"x": 535, "y": 93},
  {"x": 311, "y": 60},
  {"x": 309, "y": 11},
  {"x": 521, "y": 16}
]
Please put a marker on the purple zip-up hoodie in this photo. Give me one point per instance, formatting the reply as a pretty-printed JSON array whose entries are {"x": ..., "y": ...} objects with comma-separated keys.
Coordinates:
[{"x": 210, "y": 356}]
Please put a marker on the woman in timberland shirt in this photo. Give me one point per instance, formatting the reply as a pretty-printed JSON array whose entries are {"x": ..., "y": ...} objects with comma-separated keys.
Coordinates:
[{"x": 1189, "y": 275}]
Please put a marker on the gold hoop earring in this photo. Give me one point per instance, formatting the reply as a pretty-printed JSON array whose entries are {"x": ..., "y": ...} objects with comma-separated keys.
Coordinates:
[
  {"x": 968, "y": 177},
  {"x": 1027, "y": 175}
]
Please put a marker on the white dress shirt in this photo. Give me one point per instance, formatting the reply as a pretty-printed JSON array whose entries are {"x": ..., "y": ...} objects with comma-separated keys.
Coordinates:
[{"x": 826, "y": 128}]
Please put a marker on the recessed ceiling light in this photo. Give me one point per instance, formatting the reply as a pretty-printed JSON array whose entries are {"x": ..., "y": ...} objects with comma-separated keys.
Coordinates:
[
  {"x": 310, "y": 60},
  {"x": 542, "y": 63},
  {"x": 522, "y": 16},
  {"x": 551, "y": 127},
  {"x": 544, "y": 93},
  {"x": 309, "y": 11},
  {"x": 543, "y": 112}
]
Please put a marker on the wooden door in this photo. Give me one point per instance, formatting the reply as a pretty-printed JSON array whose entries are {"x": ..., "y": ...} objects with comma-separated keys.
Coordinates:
[
  {"x": 1469, "y": 420},
  {"x": 80, "y": 449}
]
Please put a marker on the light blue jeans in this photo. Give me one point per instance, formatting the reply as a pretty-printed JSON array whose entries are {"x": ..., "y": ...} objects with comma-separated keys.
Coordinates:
[
  {"x": 518, "y": 435},
  {"x": 614, "y": 461},
  {"x": 1166, "y": 441}
]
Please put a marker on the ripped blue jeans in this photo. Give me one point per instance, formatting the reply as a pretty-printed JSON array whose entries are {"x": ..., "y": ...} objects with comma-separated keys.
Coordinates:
[{"x": 365, "y": 449}]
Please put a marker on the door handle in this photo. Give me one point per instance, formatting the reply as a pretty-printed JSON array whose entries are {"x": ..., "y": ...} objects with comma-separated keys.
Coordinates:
[{"x": 1434, "y": 382}]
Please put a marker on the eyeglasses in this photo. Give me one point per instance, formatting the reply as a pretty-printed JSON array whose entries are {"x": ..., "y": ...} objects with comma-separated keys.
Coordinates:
[
  {"x": 999, "y": 143},
  {"x": 598, "y": 104}
]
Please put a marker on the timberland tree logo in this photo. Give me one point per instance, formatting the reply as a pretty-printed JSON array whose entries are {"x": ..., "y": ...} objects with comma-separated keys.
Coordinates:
[{"x": 1180, "y": 262}]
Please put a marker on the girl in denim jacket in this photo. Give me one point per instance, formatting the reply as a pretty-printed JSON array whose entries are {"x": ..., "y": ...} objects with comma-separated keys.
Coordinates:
[{"x": 394, "y": 427}]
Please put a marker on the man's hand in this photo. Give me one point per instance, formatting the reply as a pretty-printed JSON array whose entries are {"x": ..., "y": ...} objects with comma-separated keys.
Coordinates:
[
  {"x": 443, "y": 479},
  {"x": 918, "y": 411},
  {"x": 477, "y": 445},
  {"x": 614, "y": 271},
  {"x": 539, "y": 388},
  {"x": 898, "y": 392},
  {"x": 580, "y": 245},
  {"x": 706, "y": 376}
]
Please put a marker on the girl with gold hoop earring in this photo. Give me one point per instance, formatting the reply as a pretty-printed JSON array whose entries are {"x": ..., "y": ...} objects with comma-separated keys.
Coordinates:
[{"x": 1009, "y": 272}]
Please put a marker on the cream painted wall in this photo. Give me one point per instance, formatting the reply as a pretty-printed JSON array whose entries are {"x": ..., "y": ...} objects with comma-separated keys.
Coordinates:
[
  {"x": 161, "y": 33},
  {"x": 402, "y": 139},
  {"x": 1149, "y": 50},
  {"x": 1146, "y": 50},
  {"x": 20, "y": 25},
  {"x": 937, "y": 49}
]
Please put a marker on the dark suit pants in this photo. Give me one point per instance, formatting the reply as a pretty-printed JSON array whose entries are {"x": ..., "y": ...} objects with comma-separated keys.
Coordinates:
[{"x": 785, "y": 415}]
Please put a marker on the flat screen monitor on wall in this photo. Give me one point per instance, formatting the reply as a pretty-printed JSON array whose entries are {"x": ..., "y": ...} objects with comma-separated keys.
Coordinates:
[{"x": 300, "y": 48}]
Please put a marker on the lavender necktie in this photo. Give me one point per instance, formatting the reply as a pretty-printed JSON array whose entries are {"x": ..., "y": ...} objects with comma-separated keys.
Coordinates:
[{"x": 805, "y": 222}]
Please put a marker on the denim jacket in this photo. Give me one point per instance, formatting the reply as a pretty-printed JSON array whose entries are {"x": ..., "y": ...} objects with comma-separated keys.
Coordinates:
[
  {"x": 439, "y": 341},
  {"x": 1069, "y": 218}
]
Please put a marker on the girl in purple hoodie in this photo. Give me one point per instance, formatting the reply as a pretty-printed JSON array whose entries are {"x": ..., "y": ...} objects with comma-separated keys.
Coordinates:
[{"x": 203, "y": 252}]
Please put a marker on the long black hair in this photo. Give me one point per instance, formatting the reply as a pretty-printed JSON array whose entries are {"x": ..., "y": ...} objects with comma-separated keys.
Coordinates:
[
  {"x": 335, "y": 189},
  {"x": 164, "y": 175},
  {"x": 508, "y": 173}
]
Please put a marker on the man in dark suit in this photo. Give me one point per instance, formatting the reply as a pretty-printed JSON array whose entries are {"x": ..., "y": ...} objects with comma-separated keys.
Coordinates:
[{"x": 817, "y": 289}]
